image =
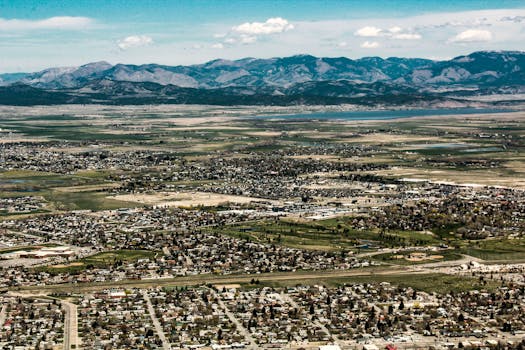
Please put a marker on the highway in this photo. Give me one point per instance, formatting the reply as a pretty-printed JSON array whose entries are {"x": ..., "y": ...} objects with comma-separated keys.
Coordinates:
[{"x": 221, "y": 279}]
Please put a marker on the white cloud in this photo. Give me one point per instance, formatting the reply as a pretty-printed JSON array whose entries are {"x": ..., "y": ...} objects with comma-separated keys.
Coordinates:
[
  {"x": 134, "y": 41},
  {"x": 271, "y": 26},
  {"x": 317, "y": 37},
  {"x": 368, "y": 31},
  {"x": 217, "y": 46},
  {"x": 248, "y": 39},
  {"x": 395, "y": 29},
  {"x": 407, "y": 36},
  {"x": 472, "y": 35},
  {"x": 342, "y": 44},
  {"x": 59, "y": 23},
  {"x": 370, "y": 45},
  {"x": 394, "y": 32},
  {"x": 248, "y": 33},
  {"x": 515, "y": 19}
]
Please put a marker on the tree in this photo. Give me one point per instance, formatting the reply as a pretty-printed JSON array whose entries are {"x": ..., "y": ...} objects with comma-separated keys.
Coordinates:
[{"x": 390, "y": 309}]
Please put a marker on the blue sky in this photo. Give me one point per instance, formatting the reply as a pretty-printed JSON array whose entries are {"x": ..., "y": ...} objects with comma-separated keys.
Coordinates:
[{"x": 40, "y": 34}]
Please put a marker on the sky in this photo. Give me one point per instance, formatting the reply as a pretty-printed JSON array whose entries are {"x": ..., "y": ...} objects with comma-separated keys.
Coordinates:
[{"x": 38, "y": 34}]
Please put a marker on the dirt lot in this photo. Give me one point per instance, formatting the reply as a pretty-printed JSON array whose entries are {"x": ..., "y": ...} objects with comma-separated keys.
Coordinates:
[
  {"x": 488, "y": 177},
  {"x": 184, "y": 199},
  {"x": 61, "y": 266},
  {"x": 376, "y": 138}
]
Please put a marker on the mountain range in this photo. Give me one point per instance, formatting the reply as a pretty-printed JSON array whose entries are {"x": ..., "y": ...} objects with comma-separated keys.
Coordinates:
[{"x": 300, "y": 79}]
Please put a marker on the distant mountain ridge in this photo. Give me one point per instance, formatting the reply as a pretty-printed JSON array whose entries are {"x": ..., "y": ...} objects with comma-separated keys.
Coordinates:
[
  {"x": 295, "y": 79},
  {"x": 281, "y": 72}
]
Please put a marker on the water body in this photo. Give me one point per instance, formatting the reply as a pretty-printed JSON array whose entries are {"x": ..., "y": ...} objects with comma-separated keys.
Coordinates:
[
  {"x": 485, "y": 149},
  {"x": 386, "y": 114},
  {"x": 11, "y": 181},
  {"x": 439, "y": 145}
]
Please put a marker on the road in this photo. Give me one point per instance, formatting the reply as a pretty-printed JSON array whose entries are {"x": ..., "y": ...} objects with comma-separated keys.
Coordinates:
[
  {"x": 158, "y": 328},
  {"x": 70, "y": 326},
  {"x": 390, "y": 270},
  {"x": 223, "y": 279},
  {"x": 3, "y": 315},
  {"x": 292, "y": 302},
  {"x": 245, "y": 333},
  {"x": 71, "y": 340}
]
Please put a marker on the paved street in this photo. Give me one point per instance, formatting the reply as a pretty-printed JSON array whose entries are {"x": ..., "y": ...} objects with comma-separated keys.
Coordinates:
[
  {"x": 70, "y": 326},
  {"x": 237, "y": 323},
  {"x": 3, "y": 315},
  {"x": 158, "y": 328}
]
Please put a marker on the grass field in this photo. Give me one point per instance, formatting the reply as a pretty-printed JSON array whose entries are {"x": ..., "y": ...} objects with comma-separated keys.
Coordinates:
[
  {"x": 83, "y": 191},
  {"x": 332, "y": 234},
  {"x": 430, "y": 283},
  {"x": 496, "y": 249},
  {"x": 100, "y": 260},
  {"x": 290, "y": 234},
  {"x": 390, "y": 258},
  {"x": 85, "y": 200},
  {"x": 26, "y": 182}
]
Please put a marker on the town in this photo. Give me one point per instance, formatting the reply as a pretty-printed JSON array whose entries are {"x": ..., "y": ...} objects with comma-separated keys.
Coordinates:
[{"x": 146, "y": 229}]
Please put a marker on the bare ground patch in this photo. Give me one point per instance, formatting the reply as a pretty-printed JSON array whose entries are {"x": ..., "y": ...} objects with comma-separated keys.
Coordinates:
[
  {"x": 185, "y": 199},
  {"x": 62, "y": 266},
  {"x": 488, "y": 177},
  {"x": 87, "y": 188},
  {"x": 376, "y": 138}
]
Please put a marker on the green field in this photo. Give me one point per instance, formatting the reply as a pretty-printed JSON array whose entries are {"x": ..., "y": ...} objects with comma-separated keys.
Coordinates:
[
  {"x": 17, "y": 183},
  {"x": 332, "y": 234},
  {"x": 88, "y": 200},
  {"x": 101, "y": 260},
  {"x": 290, "y": 234},
  {"x": 496, "y": 249},
  {"x": 389, "y": 258},
  {"x": 430, "y": 283}
]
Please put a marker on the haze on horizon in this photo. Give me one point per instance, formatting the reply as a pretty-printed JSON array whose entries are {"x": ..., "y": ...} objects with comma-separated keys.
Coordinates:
[{"x": 37, "y": 34}]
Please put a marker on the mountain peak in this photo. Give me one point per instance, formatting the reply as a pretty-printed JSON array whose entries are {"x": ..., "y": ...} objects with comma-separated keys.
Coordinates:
[{"x": 98, "y": 64}]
